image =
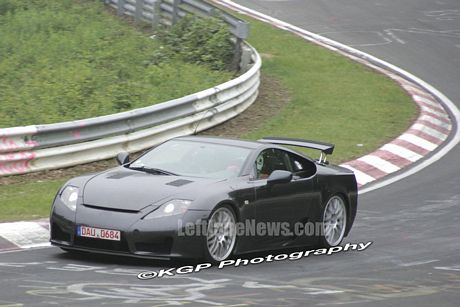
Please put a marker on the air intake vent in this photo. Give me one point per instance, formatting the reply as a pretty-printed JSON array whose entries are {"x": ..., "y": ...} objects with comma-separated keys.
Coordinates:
[
  {"x": 111, "y": 209},
  {"x": 120, "y": 175},
  {"x": 179, "y": 183}
]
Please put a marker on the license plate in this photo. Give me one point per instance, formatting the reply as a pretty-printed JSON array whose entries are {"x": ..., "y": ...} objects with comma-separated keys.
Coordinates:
[{"x": 98, "y": 233}]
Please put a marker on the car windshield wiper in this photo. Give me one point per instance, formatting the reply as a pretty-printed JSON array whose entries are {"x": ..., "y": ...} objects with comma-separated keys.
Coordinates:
[{"x": 152, "y": 170}]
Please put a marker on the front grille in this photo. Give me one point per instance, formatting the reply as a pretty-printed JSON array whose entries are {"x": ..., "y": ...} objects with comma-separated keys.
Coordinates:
[
  {"x": 163, "y": 247},
  {"x": 117, "y": 246},
  {"x": 58, "y": 234}
]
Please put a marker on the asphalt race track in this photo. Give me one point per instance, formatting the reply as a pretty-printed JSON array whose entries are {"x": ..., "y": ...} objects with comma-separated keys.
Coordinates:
[{"x": 414, "y": 223}]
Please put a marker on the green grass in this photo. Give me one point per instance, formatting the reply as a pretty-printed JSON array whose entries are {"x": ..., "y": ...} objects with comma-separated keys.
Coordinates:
[
  {"x": 333, "y": 99},
  {"x": 28, "y": 200},
  {"x": 63, "y": 60}
]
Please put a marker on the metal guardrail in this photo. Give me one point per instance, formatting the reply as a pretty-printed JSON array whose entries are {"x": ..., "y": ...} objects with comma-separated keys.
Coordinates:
[
  {"x": 42, "y": 147},
  {"x": 168, "y": 12}
]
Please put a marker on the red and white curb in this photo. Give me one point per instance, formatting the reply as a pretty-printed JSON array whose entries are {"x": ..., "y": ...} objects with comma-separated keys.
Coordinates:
[
  {"x": 428, "y": 132},
  {"x": 24, "y": 235}
]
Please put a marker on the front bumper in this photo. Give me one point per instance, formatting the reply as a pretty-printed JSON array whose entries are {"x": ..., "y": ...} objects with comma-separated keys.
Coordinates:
[{"x": 156, "y": 238}]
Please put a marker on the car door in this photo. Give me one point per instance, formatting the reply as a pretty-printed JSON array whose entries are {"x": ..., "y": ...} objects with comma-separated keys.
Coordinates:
[{"x": 279, "y": 207}]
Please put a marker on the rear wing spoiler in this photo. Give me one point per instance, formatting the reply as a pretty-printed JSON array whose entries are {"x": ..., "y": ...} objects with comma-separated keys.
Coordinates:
[{"x": 325, "y": 148}]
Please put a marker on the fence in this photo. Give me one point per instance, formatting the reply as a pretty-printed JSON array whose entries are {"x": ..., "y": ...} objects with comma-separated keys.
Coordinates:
[{"x": 42, "y": 147}]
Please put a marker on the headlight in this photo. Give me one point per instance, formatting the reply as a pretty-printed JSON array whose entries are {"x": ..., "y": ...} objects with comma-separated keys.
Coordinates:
[
  {"x": 172, "y": 207},
  {"x": 69, "y": 197}
]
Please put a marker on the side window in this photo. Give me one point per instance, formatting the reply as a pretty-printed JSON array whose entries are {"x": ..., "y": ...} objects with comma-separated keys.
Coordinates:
[
  {"x": 271, "y": 160},
  {"x": 302, "y": 167}
]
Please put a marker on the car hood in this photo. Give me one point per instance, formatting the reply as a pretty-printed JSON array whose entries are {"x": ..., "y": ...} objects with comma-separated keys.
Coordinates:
[{"x": 127, "y": 189}]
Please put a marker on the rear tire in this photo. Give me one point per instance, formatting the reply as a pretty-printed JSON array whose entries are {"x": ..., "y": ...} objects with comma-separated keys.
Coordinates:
[
  {"x": 220, "y": 240},
  {"x": 334, "y": 221}
]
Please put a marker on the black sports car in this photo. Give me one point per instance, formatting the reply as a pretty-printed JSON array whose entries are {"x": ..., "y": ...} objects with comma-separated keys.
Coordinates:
[{"x": 147, "y": 207}]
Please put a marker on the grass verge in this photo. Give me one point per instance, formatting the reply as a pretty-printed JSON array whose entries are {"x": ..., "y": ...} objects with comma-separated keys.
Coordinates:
[
  {"x": 63, "y": 60},
  {"x": 333, "y": 99},
  {"x": 30, "y": 200},
  {"x": 330, "y": 97}
]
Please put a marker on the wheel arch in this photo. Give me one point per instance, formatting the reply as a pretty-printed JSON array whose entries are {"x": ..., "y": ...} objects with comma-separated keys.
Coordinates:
[
  {"x": 344, "y": 184},
  {"x": 232, "y": 205},
  {"x": 350, "y": 212}
]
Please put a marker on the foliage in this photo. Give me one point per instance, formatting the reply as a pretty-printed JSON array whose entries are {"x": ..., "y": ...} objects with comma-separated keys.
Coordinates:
[{"x": 199, "y": 41}]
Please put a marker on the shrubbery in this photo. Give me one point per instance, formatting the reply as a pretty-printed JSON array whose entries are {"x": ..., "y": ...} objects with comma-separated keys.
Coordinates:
[
  {"x": 66, "y": 59},
  {"x": 198, "y": 41}
]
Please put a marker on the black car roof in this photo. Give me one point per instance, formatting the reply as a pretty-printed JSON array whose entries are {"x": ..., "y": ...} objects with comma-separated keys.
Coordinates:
[{"x": 223, "y": 141}]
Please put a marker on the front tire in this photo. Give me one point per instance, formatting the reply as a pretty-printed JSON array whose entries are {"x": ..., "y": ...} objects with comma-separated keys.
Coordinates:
[
  {"x": 334, "y": 222},
  {"x": 221, "y": 234}
]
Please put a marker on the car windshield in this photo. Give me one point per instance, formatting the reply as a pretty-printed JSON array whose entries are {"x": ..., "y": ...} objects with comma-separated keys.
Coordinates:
[{"x": 197, "y": 159}]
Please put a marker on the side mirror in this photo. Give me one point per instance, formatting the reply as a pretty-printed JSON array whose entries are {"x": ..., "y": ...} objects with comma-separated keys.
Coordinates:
[
  {"x": 279, "y": 177},
  {"x": 123, "y": 158}
]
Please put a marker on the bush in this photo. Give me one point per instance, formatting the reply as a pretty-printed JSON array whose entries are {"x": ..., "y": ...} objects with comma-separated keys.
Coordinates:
[{"x": 203, "y": 41}]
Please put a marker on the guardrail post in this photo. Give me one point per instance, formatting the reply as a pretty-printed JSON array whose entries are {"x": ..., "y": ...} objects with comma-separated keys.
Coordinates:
[
  {"x": 246, "y": 59},
  {"x": 235, "y": 65},
  {"x": 138, "y": 14},
  {"x": 156, "y": 14},
  {"x": 214, "y": 13},
  {"x": 120, "y": 7},
  {"x": 175, "y": 13}
]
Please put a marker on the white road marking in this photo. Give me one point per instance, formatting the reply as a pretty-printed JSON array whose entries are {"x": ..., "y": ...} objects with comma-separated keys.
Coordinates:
[
  {"x": 310, "y": 291},
  {"x": 390, "y": 33},
  {"x": 380, "y": 163},
  {"x": 455, "y": 268},
  {"x": 257, "y": 285},
  {"x": 418, "y": 141},
  {"x": 418, "y": 263},
  {"x": 24, "y": 264},
  {"x": 361, "y": 178},
  {"x": 444, "y": 33},
  {"x": 402, "y": 152},
  {"x": 385, "y": 40},
  {"x": 442, "y": 13}
]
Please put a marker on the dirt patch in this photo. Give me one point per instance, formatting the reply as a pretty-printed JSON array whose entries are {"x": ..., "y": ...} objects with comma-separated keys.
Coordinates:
[
  {"x": 267, "y": 56},
  {"x": 272, "y": 98},
  {"x": 59, "y": 173}
]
